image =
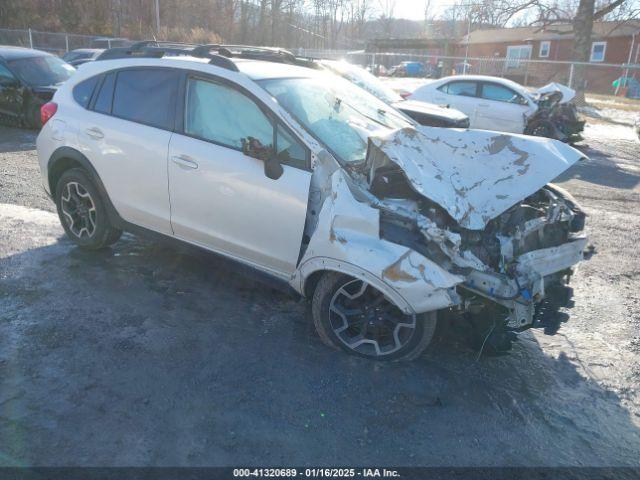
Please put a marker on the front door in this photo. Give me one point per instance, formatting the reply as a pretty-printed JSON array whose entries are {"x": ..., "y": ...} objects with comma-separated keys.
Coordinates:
[
  {"x": 220, "y": 197},
  {"x": 501, "y": 108}
]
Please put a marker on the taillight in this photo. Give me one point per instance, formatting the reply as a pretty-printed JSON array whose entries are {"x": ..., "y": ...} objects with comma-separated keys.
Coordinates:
[
  {"x": 405, "y": 94},
  {"x": 47, "y": 111}
]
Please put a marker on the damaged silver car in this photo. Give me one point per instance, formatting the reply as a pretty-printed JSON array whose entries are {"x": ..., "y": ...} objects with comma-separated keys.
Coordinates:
[{"x": 388, "y": 227}]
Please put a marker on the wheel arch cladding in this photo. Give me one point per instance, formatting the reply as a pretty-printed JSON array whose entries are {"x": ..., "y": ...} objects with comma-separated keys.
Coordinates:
[{"x": 65, "y": 158}]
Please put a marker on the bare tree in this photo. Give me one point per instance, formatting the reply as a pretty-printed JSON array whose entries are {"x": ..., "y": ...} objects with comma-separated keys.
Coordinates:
[
  {"x": 387, "y": 9},
  {"x": 581, "y": 20}
]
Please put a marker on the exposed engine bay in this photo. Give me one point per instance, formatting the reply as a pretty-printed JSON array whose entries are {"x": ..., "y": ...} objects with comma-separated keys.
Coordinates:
[
  {"x": 502, "y": 247},
  {"x": 443, "y": 221},
  {"x": 546, "y": 219}
]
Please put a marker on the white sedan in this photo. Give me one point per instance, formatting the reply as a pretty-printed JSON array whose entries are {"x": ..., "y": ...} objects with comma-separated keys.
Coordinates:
[{"x": 491, "y": 103}]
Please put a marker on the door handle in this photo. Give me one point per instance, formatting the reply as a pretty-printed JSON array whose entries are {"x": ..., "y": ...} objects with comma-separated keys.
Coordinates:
[
  {"x": 484, "y": 105},
  {"x": 185, "y": 161},
  {"x": 95, "y": 133}
]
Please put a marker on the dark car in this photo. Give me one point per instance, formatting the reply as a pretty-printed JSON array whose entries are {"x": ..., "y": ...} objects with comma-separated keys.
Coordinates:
[
  {"x": 108, "y": 42},
  {"x": 28, "y": 80},
  {"x": 79, "y": 56}
]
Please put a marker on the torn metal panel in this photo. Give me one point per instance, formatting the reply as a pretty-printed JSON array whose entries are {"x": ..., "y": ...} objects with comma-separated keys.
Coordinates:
[
  {"x": 346, "y": 238},
  {"x": 474, "y": 175},
  {"x": 549, "y": 260},
  {"x": 568, "y": 93}
]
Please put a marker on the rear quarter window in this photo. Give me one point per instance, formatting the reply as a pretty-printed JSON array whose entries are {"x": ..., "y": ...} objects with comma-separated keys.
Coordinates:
[
  {"x": 83, "y": 91},
  {"x": 105, "y": 95}
]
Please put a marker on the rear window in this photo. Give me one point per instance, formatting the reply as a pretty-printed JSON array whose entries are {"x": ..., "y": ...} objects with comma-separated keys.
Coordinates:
[
  {"x": 146, "y": 96},
  {"x": 83, "y": 91}
]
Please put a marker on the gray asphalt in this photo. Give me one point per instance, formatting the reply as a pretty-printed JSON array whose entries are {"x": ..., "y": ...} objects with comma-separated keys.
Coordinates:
[{"x": 149, "y": 355}]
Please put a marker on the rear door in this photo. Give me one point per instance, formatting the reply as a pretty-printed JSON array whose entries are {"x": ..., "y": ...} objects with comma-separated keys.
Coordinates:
[
  {"x": 11, "y": 96},
  {"x": 501, "y": 108},
  {"x": 125, "y": 134},
  {"x": 461, "y": 95},
  {"x": 220, "y": 197}
]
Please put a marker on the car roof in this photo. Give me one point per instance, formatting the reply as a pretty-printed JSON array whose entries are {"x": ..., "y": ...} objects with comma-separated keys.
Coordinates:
[
  {"x": 13, "y": 53},
  {"x": 87, "y": 50},
  {"x": 263, "y": 70},
  {"x": 252, "y": 69}
]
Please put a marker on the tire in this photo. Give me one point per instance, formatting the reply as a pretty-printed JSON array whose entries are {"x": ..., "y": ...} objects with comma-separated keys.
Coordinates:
[
  {"x": 399, "y": 337},
  {"x": 82, "y": 211}
]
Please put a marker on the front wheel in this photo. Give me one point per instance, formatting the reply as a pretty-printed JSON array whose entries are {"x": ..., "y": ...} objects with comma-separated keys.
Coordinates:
[
  {"x": 82, "y": 211},
  {"x": 351, "y": 315}
]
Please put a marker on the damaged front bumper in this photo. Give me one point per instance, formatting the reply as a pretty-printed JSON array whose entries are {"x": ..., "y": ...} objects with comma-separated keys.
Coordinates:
[{"x": 536, "y": 271}]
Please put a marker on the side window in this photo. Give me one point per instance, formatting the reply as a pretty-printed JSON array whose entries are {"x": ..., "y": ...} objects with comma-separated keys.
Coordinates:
[
  {"x": 465, "y": 89},
  {"x": 105, "y": 95},
  {"x": 225, "y": 116},
  {"x": 146, "y": 96},
  {"x": 499, "y": 93},
  {"x": 289, "y": 150},
  {"x": 82, "y": 92},
  {"x": 6, "y": 77}
]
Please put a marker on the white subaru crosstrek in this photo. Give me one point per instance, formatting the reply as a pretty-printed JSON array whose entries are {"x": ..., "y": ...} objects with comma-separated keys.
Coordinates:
[{"x": 300, "y": 174}]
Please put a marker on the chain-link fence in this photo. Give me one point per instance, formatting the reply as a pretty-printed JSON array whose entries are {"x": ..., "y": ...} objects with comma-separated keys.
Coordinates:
[
  {"x": 606, "y": 78},
  {"x": 52, "y": 42},
  {"x": 620, "y": 79}
]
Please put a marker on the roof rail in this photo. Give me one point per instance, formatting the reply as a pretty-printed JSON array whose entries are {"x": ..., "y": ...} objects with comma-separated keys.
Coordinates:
[
  {"x": 155, "y": 49},
  {"x": 269, "y": 54}
]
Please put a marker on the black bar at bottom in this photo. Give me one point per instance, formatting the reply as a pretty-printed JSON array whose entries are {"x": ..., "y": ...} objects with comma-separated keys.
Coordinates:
[{"x": 398, "y": 473}]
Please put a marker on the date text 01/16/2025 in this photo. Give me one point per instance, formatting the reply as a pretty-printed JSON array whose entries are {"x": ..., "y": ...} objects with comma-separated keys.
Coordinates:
[{"x": 315, "y": 472}]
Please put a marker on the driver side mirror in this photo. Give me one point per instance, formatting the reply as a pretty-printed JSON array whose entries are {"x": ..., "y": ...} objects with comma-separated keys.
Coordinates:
[
  {"x": 273, "y": 168},
  {"x": 252, "y": 147}
]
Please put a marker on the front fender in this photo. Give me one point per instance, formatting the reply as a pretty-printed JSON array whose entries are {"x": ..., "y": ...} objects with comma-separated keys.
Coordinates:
[{"x": 347, "y": 240}]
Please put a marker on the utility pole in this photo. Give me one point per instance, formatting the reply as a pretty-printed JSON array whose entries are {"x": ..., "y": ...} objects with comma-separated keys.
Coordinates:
[{"x": 157, "y": 18}]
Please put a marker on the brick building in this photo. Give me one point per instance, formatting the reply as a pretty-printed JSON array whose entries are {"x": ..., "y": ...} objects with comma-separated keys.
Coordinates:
[{"x": 612, "y": 43}]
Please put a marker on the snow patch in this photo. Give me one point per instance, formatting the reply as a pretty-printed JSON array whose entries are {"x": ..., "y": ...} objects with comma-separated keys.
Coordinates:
[
  {"x": 32, "y": 215},
  {"x": 609, "y": 132}
]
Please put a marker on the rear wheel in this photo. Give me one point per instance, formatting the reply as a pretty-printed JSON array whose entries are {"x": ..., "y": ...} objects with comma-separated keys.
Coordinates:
[
  {"x": 82, "y": 211},
  {"x": 351, "y": 315}
]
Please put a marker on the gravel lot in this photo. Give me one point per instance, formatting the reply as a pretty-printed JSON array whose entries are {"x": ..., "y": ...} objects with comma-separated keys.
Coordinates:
[{"x": 147, "y": 355}]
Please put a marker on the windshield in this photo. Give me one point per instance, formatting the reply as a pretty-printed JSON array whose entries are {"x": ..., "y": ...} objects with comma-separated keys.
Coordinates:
[
  {"x": 41, "y": 71},
  {"x": 336, "y": 112},
  {"x": 364, "y": 79}
]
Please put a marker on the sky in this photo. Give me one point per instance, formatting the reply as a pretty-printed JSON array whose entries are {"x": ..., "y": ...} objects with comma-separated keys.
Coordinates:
[{"x": 414, "y": 9}]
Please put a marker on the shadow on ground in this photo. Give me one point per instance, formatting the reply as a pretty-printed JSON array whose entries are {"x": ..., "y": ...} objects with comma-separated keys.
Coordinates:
[
  {"x": 20, "y": 140},
  {"x": 147, "y": 355},
  {"x": 606, "y": 169}
]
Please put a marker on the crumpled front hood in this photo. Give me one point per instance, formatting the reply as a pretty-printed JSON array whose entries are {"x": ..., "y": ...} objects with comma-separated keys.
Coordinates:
[
  {"x": 568, "y": 94},
  {"x": 475, "y": 175}
]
